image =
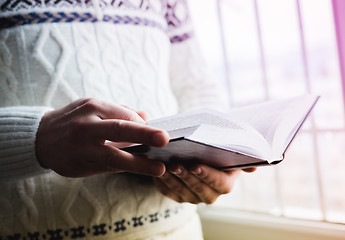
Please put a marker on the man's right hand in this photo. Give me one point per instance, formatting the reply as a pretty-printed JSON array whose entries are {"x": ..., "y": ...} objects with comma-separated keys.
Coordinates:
[{"x": 72, "y": 140}]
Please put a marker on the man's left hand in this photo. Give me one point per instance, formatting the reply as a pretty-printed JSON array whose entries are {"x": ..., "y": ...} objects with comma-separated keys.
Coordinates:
[{"x": 199, "y": 183}]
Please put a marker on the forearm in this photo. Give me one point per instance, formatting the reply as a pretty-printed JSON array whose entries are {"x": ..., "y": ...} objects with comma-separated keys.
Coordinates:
[{"x": 18, "y": 127}]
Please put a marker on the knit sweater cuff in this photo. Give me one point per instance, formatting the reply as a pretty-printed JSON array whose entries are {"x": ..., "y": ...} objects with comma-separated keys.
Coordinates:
[{"x": 18, "y": 128}]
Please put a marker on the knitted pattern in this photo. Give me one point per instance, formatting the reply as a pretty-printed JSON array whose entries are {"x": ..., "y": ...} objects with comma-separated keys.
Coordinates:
[
  {"x": 175, "y": 12},
  {"x": 48, "y": 65},
  {"x": 155, "y": 6},
  {"x": 18, "y": 132},
  {"x": 61, "y": 17},
  {"x": 180, "y": 38}
]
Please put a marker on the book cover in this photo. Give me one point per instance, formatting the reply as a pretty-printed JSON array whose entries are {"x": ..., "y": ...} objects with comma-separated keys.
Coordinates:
[{"x": 250, "y": 136}]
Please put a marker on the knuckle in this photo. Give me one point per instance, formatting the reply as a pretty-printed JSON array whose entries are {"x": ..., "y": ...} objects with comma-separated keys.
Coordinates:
[
  {"x": 178, "y": 198},
  {"x": 128, "y": 114},
  {"x": 217, "y": 183},
  {"x": 195, "y": 201},
  {"x": 79, "y": 102},
  {"x": 198, "y": 187},
  {"x": 227, "y": 189},
  {"x": 117, "y": 127},
  {"x": 91, "y": 105},
  {"x": 210, "y": 200},
  {"x": 131, "y": 116},
  {"x": 213, "y": 184},
  {"x": 82, "y": 101},
  {"x": 179, "y": 189}
]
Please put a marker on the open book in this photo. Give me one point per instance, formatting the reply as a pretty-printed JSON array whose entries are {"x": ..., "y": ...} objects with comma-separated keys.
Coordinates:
[{"x": 244, "y": 137}]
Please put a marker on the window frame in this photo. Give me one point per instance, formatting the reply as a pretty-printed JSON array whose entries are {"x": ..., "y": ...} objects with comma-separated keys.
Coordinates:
[{"x": 222, "y": 224}]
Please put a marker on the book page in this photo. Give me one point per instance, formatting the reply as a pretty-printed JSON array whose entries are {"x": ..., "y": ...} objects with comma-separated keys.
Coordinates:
[
  {"x": 275, "y": 120},
  {"x": 245, "y": 142},
  {"x": 200, "y": 117},
  {"x": 214, "y": 128},
  {"x": 264, "y": 117},
  {"x": 287, "y": 128}
]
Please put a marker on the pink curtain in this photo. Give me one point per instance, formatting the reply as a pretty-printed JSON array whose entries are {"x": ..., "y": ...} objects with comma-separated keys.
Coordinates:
[{"x": 339, "y": 23}]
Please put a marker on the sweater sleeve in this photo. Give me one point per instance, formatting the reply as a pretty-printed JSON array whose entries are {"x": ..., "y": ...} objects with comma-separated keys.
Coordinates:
[
  {"x": 191, "y": 81},
  {"x": 18, "y": 128}
]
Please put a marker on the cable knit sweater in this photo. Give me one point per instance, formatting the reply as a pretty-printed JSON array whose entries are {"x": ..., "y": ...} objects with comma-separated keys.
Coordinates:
[{"x": 140, "y": 53}]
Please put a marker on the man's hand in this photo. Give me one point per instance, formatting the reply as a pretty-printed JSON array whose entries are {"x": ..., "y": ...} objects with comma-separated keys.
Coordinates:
[
  {"x": 72, "y": 140},
  {"x": 199, "y": 183}
]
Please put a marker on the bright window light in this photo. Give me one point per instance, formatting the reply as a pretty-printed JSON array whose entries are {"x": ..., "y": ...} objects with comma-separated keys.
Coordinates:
[{"x": 268, "y": 49}]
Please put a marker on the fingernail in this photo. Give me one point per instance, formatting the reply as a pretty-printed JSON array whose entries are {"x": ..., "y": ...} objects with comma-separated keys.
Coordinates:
[
  {"x": 196, "y": 171},
  {"x": 176, "y": 171},
  {"x": 164, "y": 176}
]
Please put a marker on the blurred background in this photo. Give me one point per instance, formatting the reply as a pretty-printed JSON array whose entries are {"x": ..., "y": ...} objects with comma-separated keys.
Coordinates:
[{"x": 274, "y": 49}]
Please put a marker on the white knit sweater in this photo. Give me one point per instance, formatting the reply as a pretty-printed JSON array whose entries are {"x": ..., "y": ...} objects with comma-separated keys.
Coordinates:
[{"x": 137, "y": 53}]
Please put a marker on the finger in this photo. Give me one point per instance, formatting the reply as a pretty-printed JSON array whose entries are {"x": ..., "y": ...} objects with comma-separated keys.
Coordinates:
[
  {"x": 118, "y": 144},
  {"x": 166, "y": 191},
  {"x": 222, "y": 182},
  {"x": 142, "y": 114},
  {"x": 126, "y": 131},
  {"x": 113, "y": 159},
  {"x": 106, "y": 110},
  {"x": 179, "y": 188},
  {"x": 204, "y": 192}
]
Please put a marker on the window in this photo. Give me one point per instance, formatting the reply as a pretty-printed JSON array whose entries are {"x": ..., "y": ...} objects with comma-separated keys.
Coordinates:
[{"x": 268, "y": 49}]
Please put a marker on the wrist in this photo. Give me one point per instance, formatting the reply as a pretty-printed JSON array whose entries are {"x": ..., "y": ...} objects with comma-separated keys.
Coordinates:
[{"x": 41, "y": 141}]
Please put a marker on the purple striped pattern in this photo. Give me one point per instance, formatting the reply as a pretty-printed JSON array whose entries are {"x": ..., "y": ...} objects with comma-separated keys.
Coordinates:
[{"x": 62, "y": 17}]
